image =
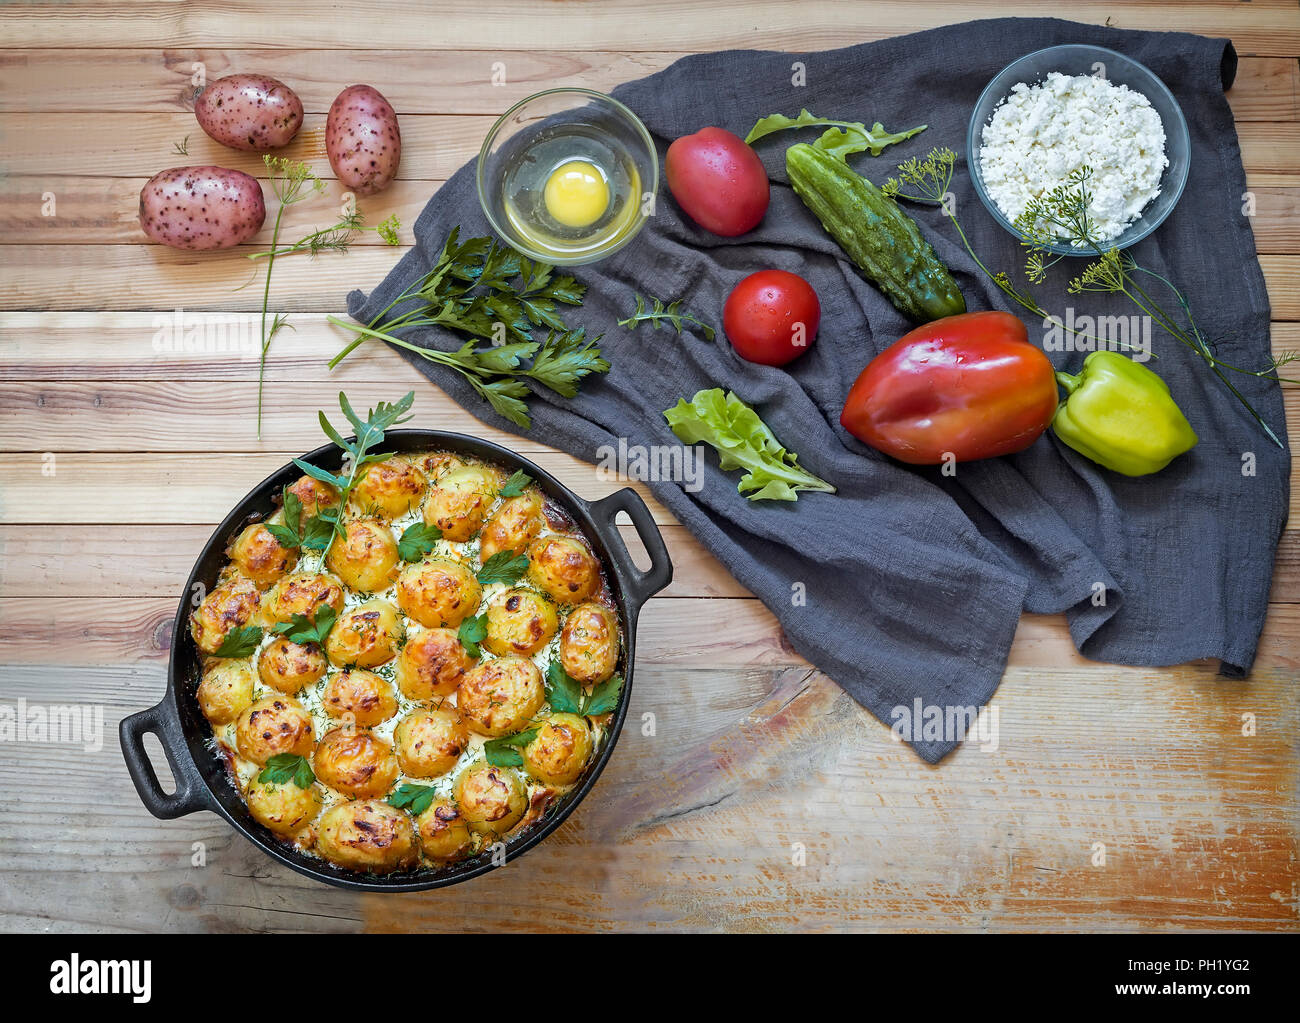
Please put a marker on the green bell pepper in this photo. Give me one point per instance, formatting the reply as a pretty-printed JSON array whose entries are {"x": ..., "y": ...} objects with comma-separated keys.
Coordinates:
[{"x": 1121, "y": 415}]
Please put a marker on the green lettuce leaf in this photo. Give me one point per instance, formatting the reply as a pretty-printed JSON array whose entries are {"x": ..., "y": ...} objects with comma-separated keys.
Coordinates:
[{"x": 743, "y": 441}]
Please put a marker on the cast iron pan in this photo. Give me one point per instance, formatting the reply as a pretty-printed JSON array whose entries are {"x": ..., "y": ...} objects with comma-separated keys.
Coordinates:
[{"x": 201, "y": 778}]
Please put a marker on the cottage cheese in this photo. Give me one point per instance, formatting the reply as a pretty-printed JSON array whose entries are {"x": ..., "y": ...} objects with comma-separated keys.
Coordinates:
[{"x": 1039, "y": 135}]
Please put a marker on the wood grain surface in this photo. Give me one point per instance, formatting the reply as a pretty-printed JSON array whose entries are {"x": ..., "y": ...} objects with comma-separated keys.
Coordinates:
[{"x": 747, "y": 791}]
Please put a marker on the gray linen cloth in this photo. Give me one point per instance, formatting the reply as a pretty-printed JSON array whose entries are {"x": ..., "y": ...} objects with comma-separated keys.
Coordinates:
[{"x": 913, "y": 582}]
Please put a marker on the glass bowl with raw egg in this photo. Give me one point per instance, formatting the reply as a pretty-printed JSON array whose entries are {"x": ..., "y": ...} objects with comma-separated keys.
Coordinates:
[{"x": 564, "y": 176}]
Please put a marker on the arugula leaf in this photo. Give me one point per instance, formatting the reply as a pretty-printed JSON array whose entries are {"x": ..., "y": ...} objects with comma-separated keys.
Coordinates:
[
  {"x": 303, "y": 630},
  {"x": 414, "y": 797},
  {"x": 503, "y": 567},
  {"x": 316, "y": 473},
  {"x": 562, "y": 691},
  {"x": 743, "y": 441},
  {"x": 516, "y": 484},
  {"x": 844, "y": 138},
  {"x": 471, "y": 633},
  {"x": 240, "y": 642},
  {"x": 672, "y": 313},
  {"x": 504, "y": 751},
  {"x": 604, "y": 697},
  {"x": 369, "y": 433},
  {"x": 288, "y": 767},
  {"x": 417, "y": 541}
]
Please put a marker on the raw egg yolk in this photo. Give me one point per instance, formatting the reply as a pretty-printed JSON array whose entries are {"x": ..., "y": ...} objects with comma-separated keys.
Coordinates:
[{"x": 576, "y": 195}]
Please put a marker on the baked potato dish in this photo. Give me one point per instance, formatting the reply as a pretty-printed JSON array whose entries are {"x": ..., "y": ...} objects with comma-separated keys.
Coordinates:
[{"x": 407, "y": 678}]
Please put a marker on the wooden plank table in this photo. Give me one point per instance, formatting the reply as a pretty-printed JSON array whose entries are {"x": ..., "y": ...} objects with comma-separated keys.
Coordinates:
[{"x": 766, "y": 799}]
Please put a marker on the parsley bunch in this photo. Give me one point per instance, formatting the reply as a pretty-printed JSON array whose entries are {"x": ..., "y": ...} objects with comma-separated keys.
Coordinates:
[{"x": 493, "y": 294}]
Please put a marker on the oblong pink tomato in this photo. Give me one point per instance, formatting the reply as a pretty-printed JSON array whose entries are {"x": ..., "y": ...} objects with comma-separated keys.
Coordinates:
[{"x": 718, "y": 181}]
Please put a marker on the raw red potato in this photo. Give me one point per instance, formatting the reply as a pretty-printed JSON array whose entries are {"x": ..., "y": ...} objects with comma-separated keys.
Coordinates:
[
  {"x": 771, "y": 317},
  {"x": 362, "y": 140},
  {"x": 249, "y": 112},
  {"x": 718, "y": 181},
  {"x": 201, "y": 207}
]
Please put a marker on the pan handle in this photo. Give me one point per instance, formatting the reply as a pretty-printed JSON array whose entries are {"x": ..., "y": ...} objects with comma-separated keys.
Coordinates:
[
  {"x": 641, "y": 586},
  {"x": 191, "y": 794}
]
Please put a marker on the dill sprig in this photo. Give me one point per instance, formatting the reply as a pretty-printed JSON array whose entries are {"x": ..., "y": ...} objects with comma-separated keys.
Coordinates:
[
  {"x": 494, "y": 294},
  {"x": 292, "y": 181},
  {"x": 658, "y": 314},
  {"x": 929, "y": 178},
  {"x": 337, "y": 238},
  {"x": 1063, "y": 214}
]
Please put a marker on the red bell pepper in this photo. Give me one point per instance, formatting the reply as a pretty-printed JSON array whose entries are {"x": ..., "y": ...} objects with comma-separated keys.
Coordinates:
[{"x": 963, "y": 387}]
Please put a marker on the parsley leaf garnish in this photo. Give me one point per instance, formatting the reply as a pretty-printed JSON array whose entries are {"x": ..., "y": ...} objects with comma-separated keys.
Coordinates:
[
  {"x": 240, "y": 642},
  {"x": 288, "y": 767},
  {"x": 565, "y": 695},
  {"x": 320, "y": 528},
  {"x": 313, "y": 535},
  {"x": 604, "y": 697},
  {"x": 503, "y": 567},
  {"x": 303, "y": 630},
  {"x": 504, "y": 751},
  {"x": 417, "y": 541},
  {"x": 562, "y": 691},
  {"x": 414, "y": 797},
  {"x": 516, "y": 484},
  {"x": 471, "y": 633}
]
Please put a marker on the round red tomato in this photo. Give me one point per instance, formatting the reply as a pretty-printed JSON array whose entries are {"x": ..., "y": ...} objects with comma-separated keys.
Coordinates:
[
  {"x": 718, "y": 180},
  {"x": 771, "y": 317}
]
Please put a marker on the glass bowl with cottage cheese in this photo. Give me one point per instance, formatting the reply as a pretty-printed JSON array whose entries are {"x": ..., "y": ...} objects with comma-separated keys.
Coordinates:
[{"x": 1055, "y": 111}]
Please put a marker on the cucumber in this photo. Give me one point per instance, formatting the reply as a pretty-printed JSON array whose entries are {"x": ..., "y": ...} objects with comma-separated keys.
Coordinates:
[{"x": 883, "y": 242}]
